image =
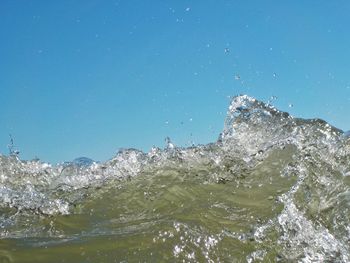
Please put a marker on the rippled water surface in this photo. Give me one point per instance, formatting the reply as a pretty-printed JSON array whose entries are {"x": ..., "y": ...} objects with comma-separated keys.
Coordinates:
[{"x": 272, "y": 188}]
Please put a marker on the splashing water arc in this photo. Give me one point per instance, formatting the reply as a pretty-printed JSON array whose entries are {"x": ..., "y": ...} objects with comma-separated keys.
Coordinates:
[{"x": 272, "y": 188}]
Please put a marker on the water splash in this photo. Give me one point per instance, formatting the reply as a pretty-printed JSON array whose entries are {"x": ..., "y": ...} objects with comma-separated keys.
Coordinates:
[{"x": 283, "y": 181}]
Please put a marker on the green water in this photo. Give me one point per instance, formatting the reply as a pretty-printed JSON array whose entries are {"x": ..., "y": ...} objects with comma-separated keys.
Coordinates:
[
  {"x": 171, "y": 215},
  {"x": 272, "y": 189}
]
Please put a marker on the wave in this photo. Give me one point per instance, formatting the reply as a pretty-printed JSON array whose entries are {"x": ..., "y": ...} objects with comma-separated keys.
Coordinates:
[{"x": 259, "y": 146}]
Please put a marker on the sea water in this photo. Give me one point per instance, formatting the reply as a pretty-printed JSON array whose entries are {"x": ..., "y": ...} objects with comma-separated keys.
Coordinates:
[{"x": 272, "y": 188}]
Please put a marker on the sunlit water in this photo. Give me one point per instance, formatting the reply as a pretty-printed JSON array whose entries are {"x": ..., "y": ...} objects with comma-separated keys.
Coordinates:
[{"x": 272, "y": 188}]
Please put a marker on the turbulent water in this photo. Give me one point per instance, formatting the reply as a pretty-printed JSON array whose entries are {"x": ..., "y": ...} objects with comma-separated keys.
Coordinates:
[{"x": 273, "y": 188}]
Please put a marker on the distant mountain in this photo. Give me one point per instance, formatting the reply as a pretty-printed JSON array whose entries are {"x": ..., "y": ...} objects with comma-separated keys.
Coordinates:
[{"x": 82, "y": 161}]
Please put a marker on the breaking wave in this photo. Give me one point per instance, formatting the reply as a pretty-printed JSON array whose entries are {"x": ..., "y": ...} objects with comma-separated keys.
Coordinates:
[{"x": 273, "y": 187}]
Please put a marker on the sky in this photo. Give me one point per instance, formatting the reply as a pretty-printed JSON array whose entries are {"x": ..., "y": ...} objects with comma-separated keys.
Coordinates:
[{"x": 87, "y": 78}]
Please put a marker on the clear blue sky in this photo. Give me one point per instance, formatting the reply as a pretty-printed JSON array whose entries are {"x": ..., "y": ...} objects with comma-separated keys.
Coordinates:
[{"x": 84, "y": 78}]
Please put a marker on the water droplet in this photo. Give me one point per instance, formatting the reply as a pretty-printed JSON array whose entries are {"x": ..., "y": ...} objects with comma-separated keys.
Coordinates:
[
  {"x": 271, "y": 99},
  {"x": 169, "y": 144}
]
